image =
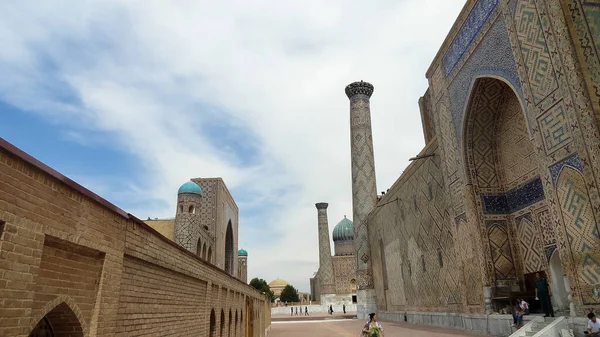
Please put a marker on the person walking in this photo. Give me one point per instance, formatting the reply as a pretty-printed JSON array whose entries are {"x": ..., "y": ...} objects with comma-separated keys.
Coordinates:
[
  {"x": 344, "y": 308},
  {"x": 543, "y": 293},
  {"x": 331, "y": 309},
  {"x": 296, "y": 311},
  {"x": 292, "y": 311},
  {"x": 373, "y": 328},
  {"x": 305, "y": 311}
]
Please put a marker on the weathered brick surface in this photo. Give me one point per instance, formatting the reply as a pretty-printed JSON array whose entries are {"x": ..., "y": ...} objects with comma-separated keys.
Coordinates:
[{"x": 69, "y": 257}]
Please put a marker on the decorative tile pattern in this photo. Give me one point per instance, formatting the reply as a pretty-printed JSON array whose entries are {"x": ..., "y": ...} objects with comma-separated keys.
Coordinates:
[
  {"x": 572, "y": 161},
  {"x": 554, "y": 127},
  {"x": 582, "y": 230},
  {"x": 492, "y": 57},
  {"x": 364, "y": 190},
  {"x": 545, "y": 223},
  {"x": 529, "y": 244},
  {"x": 548, "y": 251},
  {"x": 515, "y": 199},
  {"x": 476, "y": 19},
  {"x": 502, "y": 258},
  {"x": 534, "y": 49}
]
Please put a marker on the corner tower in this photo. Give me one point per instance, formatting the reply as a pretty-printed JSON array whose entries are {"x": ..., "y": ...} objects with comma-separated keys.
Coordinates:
[
  {"x": 326, "y": 277},
  {"x": 364, "y": 190},
  {"x": 187, "y": 219}
]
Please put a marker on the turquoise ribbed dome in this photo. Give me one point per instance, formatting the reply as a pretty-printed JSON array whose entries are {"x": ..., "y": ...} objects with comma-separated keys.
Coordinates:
[
  {"x": 190, "y": 187},
  {"x": 344, "y": 230},
  {"x": 242, "y": 252}
]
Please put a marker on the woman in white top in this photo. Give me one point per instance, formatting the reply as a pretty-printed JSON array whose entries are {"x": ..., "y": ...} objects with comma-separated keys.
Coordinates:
[{"x": 523, "y": 310}]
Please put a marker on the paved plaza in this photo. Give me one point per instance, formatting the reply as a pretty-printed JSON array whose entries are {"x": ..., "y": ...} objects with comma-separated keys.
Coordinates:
[{"x": 322, "y": 327}]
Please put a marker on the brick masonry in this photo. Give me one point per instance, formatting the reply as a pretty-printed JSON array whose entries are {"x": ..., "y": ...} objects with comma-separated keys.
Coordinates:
[{"x": 71, "y": 260}]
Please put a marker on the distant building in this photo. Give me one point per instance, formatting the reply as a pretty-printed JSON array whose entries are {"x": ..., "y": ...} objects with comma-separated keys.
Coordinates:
[
  {"x": 206, "y": 223},
  {"x": 335, "y": 281}
]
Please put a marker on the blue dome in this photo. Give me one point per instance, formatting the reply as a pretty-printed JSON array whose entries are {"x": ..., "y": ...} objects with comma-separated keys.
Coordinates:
[
  {"x": 344, "y": 230},
  {"x": 242, "y": 252},
  {"x": 190, "y": 187}
]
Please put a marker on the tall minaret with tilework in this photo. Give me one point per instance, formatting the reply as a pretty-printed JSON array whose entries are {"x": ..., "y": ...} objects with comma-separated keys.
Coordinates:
[
  {"x": 326, "y": 277},
  {"x": 364, "y": 190}
]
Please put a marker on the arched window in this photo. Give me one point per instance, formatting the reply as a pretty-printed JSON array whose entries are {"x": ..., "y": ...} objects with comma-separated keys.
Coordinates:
[
  {"x": 229, "y": 249},
  {"x": 209, "y": 257},
  {"x": 222, "y": 323},
  {"x": 236, "y": 323},
  {"x": 353, "y": 285},
  {"x": 199, "y": 247},
  {"x": 213, "y": 323},
  {"x": 204, "y": 250},
  {"x": 229, "y": 325},
  {"x": 180, "y": 208},
  {"x": 191, "y": 209}
]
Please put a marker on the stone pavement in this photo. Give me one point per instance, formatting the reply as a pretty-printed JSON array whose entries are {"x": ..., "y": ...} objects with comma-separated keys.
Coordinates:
[{"x": 352, "y": 328}]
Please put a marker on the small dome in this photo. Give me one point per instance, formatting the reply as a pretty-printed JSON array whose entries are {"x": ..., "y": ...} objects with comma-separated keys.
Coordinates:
[
  {"x": 278, "y": 283},
  {"x": 344, "y": 230},
  {"x": 242, "y": 252},
  {"x": 190, "y": 187}
]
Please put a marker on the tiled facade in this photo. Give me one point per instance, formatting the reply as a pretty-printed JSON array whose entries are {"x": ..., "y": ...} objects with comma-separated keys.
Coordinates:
[
  {"x": 74, "y": 263},
  {"x": 512, "y": 187}
]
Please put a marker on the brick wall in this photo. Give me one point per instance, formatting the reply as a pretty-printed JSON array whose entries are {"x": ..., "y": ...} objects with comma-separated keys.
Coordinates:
[{"x": 72, "y": 259}]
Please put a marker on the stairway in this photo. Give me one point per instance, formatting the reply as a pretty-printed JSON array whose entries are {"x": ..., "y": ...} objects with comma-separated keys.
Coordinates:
[
  {"x": 558, "y": 327},
  {"x": 534, "y": 326}
]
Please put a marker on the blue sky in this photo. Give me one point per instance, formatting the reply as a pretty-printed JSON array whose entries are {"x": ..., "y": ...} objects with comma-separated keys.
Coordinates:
[{"x": 131, "y": 99}]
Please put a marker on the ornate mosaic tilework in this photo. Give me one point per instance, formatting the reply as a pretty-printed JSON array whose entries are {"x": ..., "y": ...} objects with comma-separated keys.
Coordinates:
[
  {"x": 477, "y": 17},
  {"x": 493, "y": 56},
  {"x": 582, "y": 230},
  {"x": 501, "y": 252},
  {"x": 515, "y": 199},
  {"x": 545, "y": 223},
  {"x": 554, "y": 127},
  {"x": 529, "y": 243},
  {"x": 534, "y": 50},
  {"x": 572, "y": 161},
  {"x": 548, "y": 251},
  {"x": 516, "y": 153}
]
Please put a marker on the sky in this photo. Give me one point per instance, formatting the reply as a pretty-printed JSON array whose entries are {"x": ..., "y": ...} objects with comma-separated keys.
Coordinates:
[{"x": 132, "y": 98}]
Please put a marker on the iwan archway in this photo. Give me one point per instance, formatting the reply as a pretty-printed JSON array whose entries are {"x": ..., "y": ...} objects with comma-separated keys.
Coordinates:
[{"x": 510, "y": 206}]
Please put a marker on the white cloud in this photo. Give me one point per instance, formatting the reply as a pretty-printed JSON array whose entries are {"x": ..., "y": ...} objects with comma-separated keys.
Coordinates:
[{"x": 151, "y": 75}]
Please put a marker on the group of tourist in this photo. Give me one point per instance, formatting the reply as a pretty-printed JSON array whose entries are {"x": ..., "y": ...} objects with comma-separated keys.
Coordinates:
[{"x": 305, "y": 311}]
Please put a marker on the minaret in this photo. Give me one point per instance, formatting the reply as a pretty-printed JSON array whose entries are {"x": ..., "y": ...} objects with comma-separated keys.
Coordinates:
[
  {"x": 364, "y": 190},
  {"x": 326, "y": 280},
  {"x": 243, "y": 265}
]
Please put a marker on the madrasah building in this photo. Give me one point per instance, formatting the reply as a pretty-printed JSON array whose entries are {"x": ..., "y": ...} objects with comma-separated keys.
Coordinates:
[
  {"x": 335, "y": 281},
  {"x": 508, "y": 182}
]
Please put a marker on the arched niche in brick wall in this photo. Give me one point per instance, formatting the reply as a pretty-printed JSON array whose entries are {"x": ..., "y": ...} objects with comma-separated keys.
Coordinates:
[{"x": 61, "y": 321}]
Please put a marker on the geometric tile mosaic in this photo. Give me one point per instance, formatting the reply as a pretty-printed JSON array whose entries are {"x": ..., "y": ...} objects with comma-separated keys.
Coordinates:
[
  {"x": 531, "y": 248},
  {"x": 502, "y": 257},
  {"x": 554, "y": 127},
  {"x": 582, "y": 230},
  {"x": 534, "y": 50},
  {"x": 545, "y": 223},
  {"x": 572, "y": 161},
  {"x": 515, "y": 199},
  {"x": 477, "y": 17}
]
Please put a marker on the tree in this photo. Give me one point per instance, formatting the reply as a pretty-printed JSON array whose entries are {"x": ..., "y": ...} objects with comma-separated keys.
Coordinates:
[
  {"x": 262, "y": 286},
  {"x": 289, "y": 294}
]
